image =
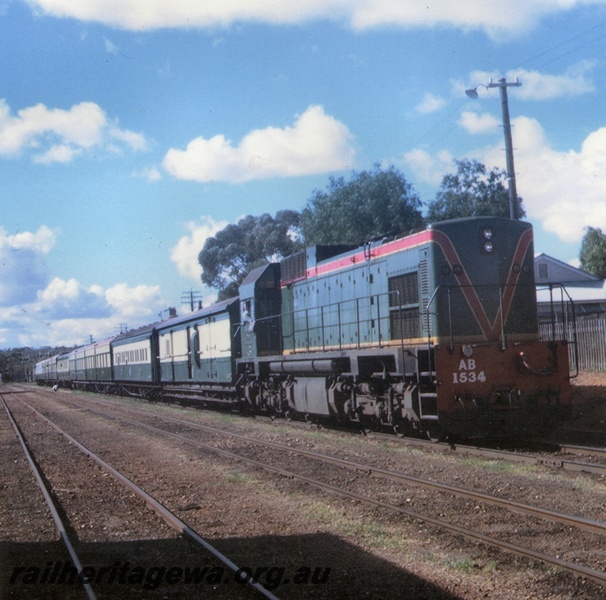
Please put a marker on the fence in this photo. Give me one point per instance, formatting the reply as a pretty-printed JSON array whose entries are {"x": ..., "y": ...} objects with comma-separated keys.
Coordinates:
[{"x": 591, "y": 342}]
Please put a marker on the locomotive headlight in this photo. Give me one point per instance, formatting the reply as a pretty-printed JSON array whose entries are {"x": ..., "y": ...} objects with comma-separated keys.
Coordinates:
[{"x": 487, "y": 240}]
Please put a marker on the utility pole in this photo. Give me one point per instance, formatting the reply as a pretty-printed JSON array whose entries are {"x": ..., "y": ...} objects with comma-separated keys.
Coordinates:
[
  {"x": 192, "y": 297},
  {"x": 511, "y": 174}
]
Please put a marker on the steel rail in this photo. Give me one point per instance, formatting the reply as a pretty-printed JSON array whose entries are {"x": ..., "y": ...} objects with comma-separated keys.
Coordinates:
[
  {"x": 159, "y": 508},
  {"x": 492, "y": 453},
  {"x": 576, "y": 449},
  {"x": 512, "y": 505},
  {"x": 579, "y": 570},
  {"x": 49, "y": 501}
]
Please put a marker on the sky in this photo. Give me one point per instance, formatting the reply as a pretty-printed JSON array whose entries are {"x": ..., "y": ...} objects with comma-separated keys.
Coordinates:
[{"x": 132, "y": 130}]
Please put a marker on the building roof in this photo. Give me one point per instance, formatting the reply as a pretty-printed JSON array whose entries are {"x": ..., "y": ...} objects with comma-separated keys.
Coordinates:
[
  {"x": 551, "y": 270},
  {"x": 579, "y": 285}
]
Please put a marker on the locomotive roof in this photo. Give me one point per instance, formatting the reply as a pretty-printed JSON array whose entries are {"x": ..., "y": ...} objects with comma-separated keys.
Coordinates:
[
  {"x": 459, "y": 220},
  {"x": 316, "y": 260}
]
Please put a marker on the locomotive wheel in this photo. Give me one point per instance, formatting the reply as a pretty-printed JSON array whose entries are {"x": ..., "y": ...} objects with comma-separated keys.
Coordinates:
[
  {"x": 434, "y": 432},
  {"x": 404, "y": 429}
]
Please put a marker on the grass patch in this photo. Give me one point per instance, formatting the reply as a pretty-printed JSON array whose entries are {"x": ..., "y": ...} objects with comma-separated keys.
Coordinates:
[
  {"x": 492, "y": 465},
  {"x": 239, "y": 477},
  {"x": 464, "y": 565},
  {"x": 371, "y": 532}
]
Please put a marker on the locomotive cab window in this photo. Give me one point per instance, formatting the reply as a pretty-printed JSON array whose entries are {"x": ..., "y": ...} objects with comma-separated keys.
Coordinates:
[
  {"x": 246, "y": 310},
  {"x": 404, "y": 306}
]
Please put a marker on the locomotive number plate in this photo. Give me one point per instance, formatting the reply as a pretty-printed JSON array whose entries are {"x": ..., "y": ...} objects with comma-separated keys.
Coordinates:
[{"x": 468, "y": 372}]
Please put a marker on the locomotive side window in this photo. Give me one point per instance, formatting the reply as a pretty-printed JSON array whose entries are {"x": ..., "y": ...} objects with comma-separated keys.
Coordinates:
[{"x": 404, "y": 306}]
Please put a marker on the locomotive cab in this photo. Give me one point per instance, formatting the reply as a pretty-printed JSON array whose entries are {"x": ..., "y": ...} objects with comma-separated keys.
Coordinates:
[{"x": 260, "y": 312}]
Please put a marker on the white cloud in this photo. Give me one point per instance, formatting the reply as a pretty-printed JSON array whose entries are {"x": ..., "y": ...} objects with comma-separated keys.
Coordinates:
[
  {"x": 134, "y": 140},
  {"x": 544, "y": 86},
  {"x": 563, "y": 190},
  {"x": 58, "y": 289},
  {"x": 475, "y": 123},
  {"x": 520, "y": 16},
  {"x": 140, "y": 302},
  {"x": 22, "y": 264},
  {"x": 535, "y": 85},
  {"x": 428, "y": 168},
  {"x": 63, "y": 299},
  {"x": 38, "y": 310},
  {"x": 41, "y": 241},
  {"x": 185, "y": 254},
  {"x": 139, "y": 15},
  {"x": 430, "y": 104},
  {"x": 57, "y": 135},
  {"x": 316, "y": 143},
  {"x": 148, "y": 173},
  {"x": 66, "y": 313},
  {"x": 60, "y": 153}
]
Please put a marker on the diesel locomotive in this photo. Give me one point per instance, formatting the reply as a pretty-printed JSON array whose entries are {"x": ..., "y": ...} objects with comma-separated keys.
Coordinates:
[{"x": 434, "y": 333}]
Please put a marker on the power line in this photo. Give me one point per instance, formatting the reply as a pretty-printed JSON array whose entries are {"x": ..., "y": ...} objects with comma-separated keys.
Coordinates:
[
  {"x": 582, "y": 34},
  {"x": 192, "y": 298}
]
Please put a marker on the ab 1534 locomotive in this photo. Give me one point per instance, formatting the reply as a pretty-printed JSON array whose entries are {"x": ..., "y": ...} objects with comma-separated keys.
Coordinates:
[{"x": 433, "y": 332}]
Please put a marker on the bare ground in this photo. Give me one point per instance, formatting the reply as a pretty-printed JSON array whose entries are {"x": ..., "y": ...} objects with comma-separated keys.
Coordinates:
[{"x": 263, "y": 521}]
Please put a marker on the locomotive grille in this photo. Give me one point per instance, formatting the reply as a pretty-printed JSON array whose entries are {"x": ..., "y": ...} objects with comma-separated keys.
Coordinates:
[
  {"x": 424, "y": 281},
  {"x": 293, "y": 268},
  {"x": 404, "y": 306},
  {"x": 406, "y": 288}
]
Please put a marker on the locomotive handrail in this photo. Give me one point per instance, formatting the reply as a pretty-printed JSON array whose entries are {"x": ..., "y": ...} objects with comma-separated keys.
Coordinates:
[
  {"x": 501, "y": 314},
  {"x": 567, "y": 323},
  {"x": 315, "y": 319},
  {"x": 428, "y": 313}
]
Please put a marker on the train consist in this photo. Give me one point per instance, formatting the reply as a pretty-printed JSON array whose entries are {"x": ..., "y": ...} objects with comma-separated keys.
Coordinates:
[{"x": 434, "y": 332}]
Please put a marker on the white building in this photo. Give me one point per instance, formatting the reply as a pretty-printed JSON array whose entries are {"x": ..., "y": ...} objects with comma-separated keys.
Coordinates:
[{"x": 558, "y": 282}]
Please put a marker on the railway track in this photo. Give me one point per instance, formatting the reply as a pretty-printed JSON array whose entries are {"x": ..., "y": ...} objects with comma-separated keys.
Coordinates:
[
  {"x": 587, "y": 525},
  {"x": 50, "y": 496},
  {"x": 557, "y": 457}
]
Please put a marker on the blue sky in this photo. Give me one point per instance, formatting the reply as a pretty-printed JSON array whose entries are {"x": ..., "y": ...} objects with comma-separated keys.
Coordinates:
[{"x": 131, "y": 130}]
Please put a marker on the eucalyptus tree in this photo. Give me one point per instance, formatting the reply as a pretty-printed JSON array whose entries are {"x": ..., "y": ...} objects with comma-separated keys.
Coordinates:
[{"x": 379, "y": 202}]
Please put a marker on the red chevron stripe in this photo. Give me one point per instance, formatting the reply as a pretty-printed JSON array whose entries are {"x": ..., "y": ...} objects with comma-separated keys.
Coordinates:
[{"x": 490, "y": 330}]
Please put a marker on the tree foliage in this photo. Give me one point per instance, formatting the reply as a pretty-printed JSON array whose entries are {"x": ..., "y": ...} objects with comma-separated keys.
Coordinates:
[
  {"x": 17, "y": 364},
  {"x": 227, "y": 257},
  {"x": 472, "y": 192},
  {"x": 373, "y": 203},
  {"x": 593, "y": 252}
]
